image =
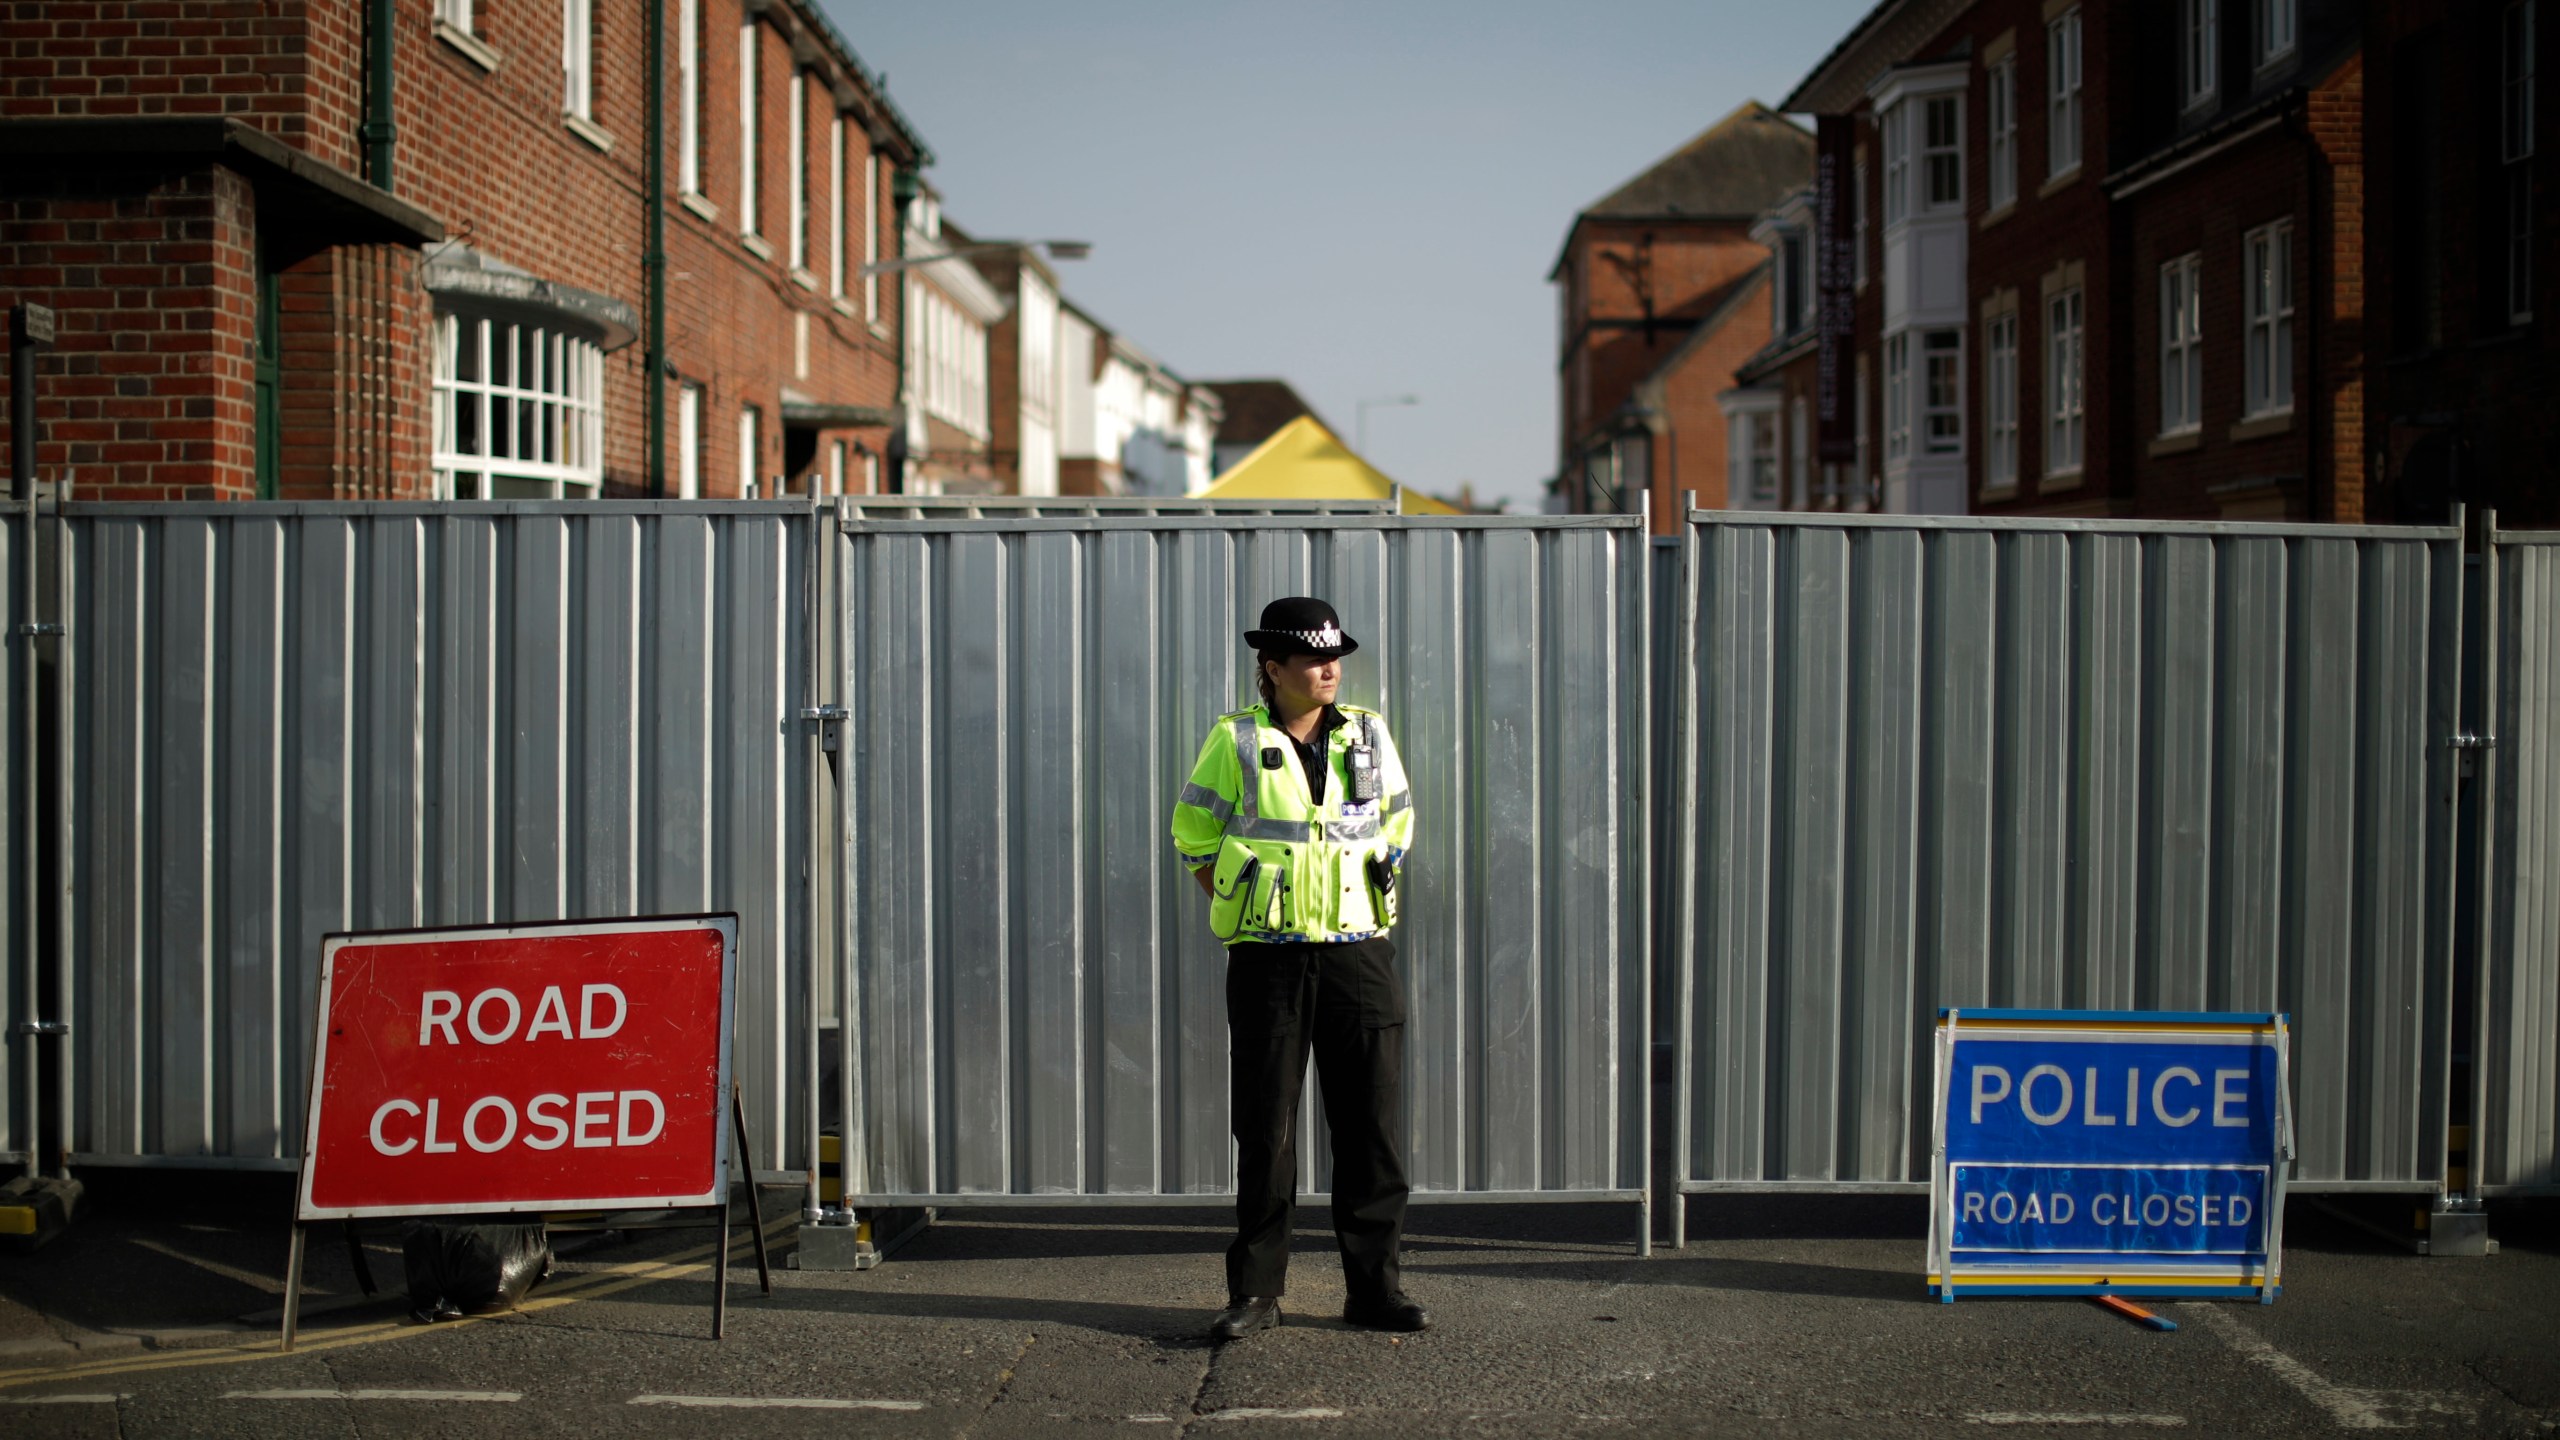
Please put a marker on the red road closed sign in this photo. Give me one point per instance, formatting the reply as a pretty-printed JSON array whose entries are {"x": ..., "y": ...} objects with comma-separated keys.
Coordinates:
[{"x": 578, "y": 1065}]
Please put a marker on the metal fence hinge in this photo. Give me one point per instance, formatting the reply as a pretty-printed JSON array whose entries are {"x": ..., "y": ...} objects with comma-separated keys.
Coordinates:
[
  {"x": 830, "y": 720},
  {"x": 41, "y": 1027},
  {"x": 2465, "y": 740},
  {"x": 41, "y": 627}
]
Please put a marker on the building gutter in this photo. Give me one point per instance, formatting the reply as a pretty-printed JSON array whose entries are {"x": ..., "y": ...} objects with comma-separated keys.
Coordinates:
[
  {"x": 377, "y": 132},
  {"x": 653, "y": 259},
  {"x": 904, "y": 184},
  {"x": 2132, "y": 180}
]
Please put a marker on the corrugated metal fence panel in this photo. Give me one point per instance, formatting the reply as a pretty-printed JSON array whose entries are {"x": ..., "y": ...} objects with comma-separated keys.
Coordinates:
[
  {"x": 2516, "y": 1140},
  {"x": 1041, "y": 1006},
  {"x": 2066, "y": 764},
  {"x": 1054, "y": 507},
  {"x": 17, "y": 1132},
  {"x": 295, "y": 719}
]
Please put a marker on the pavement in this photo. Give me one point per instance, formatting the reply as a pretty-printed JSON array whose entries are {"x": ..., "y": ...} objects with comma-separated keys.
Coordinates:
[{"x": 155, "y": 1316}]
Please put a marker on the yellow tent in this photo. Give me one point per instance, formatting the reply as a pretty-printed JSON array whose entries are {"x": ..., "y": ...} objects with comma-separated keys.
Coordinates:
[{"x": 1305, "y": 461}]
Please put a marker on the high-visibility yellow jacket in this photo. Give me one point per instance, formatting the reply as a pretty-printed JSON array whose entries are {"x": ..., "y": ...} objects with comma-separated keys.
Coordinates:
[{"x": 1286, "y": 867}]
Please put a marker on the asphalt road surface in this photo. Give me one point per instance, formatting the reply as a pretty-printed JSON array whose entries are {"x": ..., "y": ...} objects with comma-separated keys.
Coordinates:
[{"x": 154, "y": 1317}]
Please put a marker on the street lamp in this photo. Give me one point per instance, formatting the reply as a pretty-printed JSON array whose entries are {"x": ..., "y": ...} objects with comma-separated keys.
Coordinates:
[
  {"x": 1360, "y": 421},
  {"x": 1057, "y": 250}
]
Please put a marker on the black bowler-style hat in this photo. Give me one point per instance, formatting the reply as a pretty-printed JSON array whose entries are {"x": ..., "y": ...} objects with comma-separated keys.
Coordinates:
[{"x": 1301, "y": 625}]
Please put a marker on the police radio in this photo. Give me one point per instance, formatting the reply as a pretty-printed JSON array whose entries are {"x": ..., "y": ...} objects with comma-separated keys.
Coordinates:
[{"x": 1365, "y": 782}]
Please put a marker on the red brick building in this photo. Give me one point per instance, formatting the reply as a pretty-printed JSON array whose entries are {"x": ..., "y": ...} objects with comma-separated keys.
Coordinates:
[
  {"x": 2110, "y": 257},
  {"x": 1652, "y": 319},
  {"x": 401, "y": 248}
]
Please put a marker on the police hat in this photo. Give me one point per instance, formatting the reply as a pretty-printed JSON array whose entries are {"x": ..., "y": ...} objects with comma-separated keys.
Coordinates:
[{"x": 1301, "y": 625}]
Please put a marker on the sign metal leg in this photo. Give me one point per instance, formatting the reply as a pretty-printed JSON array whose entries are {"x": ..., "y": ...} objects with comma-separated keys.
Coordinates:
[
  {"x": 755, "y": 1199},
  {"x": 293, "y": 1287},
  {"x": 720, "y": 1276}
]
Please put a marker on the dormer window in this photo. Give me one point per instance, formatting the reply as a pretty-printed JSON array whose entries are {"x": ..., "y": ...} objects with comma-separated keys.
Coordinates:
[{"x": 2200, "y": 52}]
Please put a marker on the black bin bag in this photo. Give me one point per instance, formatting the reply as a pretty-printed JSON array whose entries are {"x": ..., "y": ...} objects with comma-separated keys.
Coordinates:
[{"x": 461, "y": 1268}]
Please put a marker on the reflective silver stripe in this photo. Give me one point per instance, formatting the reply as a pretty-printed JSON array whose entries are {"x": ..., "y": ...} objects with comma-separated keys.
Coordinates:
[
  {"x": 1363, "y": 827},
  {"x": 1401, "y": 800},
  {"x": 1248, "y": 767},
  {"x": 1254, "y": 828},
  {"x": 1203, "y": 798}
]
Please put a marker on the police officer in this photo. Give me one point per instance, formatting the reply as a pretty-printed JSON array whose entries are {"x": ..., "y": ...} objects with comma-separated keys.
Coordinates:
[{"x": 1296, "y": 821}]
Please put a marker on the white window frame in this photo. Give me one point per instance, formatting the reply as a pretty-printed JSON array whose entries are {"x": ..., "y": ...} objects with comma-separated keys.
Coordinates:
[
  {"x": 578, "y": 59},
  {"x": 688, "y": 442},
  {"x": 871, "y": 235},
  {"x": 2517, "y": 37},
  {"x": 835, "y": 468},
  {"x": 2278, "y": 29},
  {"x": 456, "y": 13},
  {"x": 749, "y": 44},
  {"x": 1858, "y": 224},
  {"x": 2062, "y": 136},
  {"x": 2181, "y": 345},
  {"x": 836, "y": 209},
  {"x": 1760, "y": 450},
  {"x": 1897, "y": 398},
  {"x": 750, "y": 449},
  {"x": 1894, "y": 134},
  {"x": 2002, "y": 100},
  {"x": 689, "y": 97},
  {"x": 2000, "y": 401},
  {"x": 2199, "y": 52},
  {"x": 550, "y": 387},
  {"x": 1941, "y": 391},
  {"x": 797, "y": 157},
  {"x": 2267, "y": 305},
  {"x": 1941, "y": 160},
  {"x": 2066, "y": 377}
]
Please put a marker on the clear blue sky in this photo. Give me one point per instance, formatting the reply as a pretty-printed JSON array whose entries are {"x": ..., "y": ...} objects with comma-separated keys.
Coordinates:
[{"x": 1361, "y": 198}]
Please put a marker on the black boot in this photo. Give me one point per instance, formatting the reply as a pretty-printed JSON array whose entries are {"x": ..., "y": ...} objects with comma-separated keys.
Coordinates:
[
  {"x": 1390, "y": 1311},
  {"x": 1253, "y": 1312}
]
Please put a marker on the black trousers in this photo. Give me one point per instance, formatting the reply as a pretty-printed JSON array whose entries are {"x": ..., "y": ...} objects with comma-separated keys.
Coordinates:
[{"x": 1344, "y": 1004}]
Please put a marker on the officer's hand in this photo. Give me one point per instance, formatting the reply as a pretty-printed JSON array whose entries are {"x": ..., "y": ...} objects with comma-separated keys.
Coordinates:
[{"x": 1208, "y": 886}]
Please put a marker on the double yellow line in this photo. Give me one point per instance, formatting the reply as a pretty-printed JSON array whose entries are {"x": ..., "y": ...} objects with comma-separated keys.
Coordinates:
[{"x": 592, "y": 1285}]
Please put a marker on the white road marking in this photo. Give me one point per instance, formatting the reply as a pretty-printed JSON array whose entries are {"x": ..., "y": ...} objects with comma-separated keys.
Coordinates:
[
  {"x": 1261, "y": 1412},
  {"x": 501, "y": 1397},
  {"x": 774, "y": 1402},
  {"x": 234, "y": 1273},
  {"x": 71, "y": 1399},
  {"x": 2013, "y": 1417},
  {"x": 2352, "y": 1407}
]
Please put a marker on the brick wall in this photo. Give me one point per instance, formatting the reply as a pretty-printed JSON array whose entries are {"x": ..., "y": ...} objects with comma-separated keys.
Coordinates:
[
  {"x": 485, "y": 148},
  {"x": 353, "y": 375},
  {"x": 2054, "y": 222},
  {"x": 148, "y": 389},
  {"x": 1690, "y": 269},
  {"x": 2459, "y": 411},
  {"x": 291, "y": 66},
  {"x": 1697, "y": 438}
]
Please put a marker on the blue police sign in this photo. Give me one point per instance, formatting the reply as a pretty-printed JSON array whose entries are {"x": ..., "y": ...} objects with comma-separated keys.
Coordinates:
[{"x": 2084, "y": 1152}]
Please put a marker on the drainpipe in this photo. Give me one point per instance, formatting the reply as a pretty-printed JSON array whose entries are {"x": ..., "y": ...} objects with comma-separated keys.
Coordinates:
[
  {"x": 653, "y": 263},
  {"x": 377, "y": 131},
  {"x": 903, "y": 188}
]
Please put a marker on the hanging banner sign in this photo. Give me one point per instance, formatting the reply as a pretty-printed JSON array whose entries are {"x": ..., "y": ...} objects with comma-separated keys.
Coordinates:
[
  {"x": 571, "y": 1066},
  {"x": 2109, "y": 1153}
]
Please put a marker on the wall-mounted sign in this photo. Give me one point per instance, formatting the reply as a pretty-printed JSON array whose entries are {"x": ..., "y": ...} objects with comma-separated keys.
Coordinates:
[{"x": 2109, "y": 1153}]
